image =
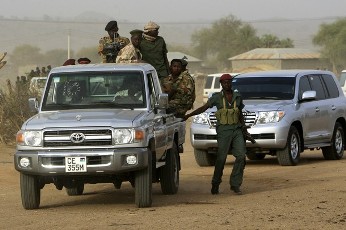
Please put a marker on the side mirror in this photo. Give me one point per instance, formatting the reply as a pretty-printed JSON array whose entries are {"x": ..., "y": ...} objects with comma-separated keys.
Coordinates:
[
  {"x": 33, "y": 105},
  {"x": 162, "y": 101},
  {"x": 308, "y": 96}
]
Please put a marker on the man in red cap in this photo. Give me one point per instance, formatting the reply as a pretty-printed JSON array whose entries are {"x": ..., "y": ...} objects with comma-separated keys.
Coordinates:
[{"x": 230, "y": 137}]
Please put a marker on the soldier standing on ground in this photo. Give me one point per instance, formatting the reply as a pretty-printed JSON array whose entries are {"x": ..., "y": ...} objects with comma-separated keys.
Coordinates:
[
  {"x": 154, "y": 49},
  {"x": 110, "y": 45},
  {"x": 230, "y": 137},
  {"x": 180, "y": 88}
]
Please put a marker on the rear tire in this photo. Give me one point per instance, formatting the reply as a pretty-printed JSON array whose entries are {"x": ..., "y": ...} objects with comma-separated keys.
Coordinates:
[
  {"x": 143, "y": 185},
  {"x": 75, "y": 190},
  {"x": 290, "y": 155},
  {"x": 169, "y": 174},
  {"x": 336, "y": 150},
  {"x": 30, "y": 191},
  {"x": 203, "y": 158}
]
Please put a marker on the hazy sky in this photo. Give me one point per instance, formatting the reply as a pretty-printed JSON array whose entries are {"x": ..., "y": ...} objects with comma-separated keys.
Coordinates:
[{"x": 178, "y": 10}]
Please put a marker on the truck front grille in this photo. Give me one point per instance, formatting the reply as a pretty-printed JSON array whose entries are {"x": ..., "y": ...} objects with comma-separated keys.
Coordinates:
[
  {"x": 62, "y": 138},
  {"x": 250, "y": 118}
]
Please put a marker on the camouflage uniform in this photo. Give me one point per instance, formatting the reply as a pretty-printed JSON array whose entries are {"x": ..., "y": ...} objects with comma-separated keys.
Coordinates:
[
  {"x": 129, "y": 54},
  {"x": 121, "y": 41},
  {"x": 183, "y": 93}
]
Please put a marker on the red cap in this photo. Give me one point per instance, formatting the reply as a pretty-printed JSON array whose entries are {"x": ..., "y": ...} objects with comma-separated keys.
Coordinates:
[
  {"x": 225, "y": 76},
  {"x": 69, "y": 62}
]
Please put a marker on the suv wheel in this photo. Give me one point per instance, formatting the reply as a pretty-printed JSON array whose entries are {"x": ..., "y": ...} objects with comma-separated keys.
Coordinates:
[
  {"x": 143, "y": 185},
  {"x": 169, "y": 174},
  {"x": 203, "y": 158},
  {"x": 30, "y": 191},
  {"x": 291, "y": 153},
  {"x": 336, "y": 150}
]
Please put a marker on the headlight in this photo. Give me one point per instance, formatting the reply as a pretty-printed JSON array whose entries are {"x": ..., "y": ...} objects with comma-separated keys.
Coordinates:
[
  {"x": 201, "y": 119},
  {"x": 270, "y": 117},
  {"x": 29, "y": 138},
  {"x": 123, "y": 136}
]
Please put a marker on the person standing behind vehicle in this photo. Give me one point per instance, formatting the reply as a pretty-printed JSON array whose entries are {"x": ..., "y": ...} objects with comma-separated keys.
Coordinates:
[
  {"x": 180, "y": 88},
  {"x": 130, "y": 53},
  {"x": 230, "y": 137},
  {"x": 110, "y": 45},
  {"x": 154, "y": 49}
]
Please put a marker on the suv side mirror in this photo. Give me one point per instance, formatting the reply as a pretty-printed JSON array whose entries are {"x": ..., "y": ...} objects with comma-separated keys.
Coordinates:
[
  {"x": 162, "y": 101},
  {"x": 33, "y": 104},
  {"x": 308, "y": 96}
]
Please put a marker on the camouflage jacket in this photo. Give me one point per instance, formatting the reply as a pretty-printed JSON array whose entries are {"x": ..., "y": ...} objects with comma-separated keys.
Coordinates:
[
  {"x": 129, "y": 54},
  {"x": 108, "y": 49},
  {"x": 181, "y": 92}
]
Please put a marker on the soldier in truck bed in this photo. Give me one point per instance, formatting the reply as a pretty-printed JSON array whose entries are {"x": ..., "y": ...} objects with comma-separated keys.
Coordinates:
[{"x": 110, "y": 45}]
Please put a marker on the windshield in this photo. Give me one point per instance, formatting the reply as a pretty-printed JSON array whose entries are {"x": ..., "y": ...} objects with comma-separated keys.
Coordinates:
[
  {"x": 277, "y": 88},
  {"x": 85, "y": 90}
]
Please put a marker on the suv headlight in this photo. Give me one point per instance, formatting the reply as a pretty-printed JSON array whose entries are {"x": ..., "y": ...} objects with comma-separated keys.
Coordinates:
[
  {"x": 201, "y": 119},
  {"x": 270, "y": 117},
  {"x": 123, "y": 136},
  {"x": 29, "y": 138}
]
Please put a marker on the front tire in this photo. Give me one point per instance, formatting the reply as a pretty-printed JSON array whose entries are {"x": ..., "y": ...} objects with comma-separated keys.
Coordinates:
[
  {"x": 143, "y": 185},
  {"x": 203, "y": 158},
  {"x": 336, "y": 150},
  {"x": 290, "y": 155},
  {"x": 169, "y": 174},
  {"x": 30, "y": 191}
]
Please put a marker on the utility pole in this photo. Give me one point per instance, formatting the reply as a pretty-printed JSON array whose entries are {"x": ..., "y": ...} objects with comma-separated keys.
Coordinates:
[{"x": 68, "y": 44}]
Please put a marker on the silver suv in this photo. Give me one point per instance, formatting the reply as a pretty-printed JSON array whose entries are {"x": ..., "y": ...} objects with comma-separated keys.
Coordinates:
[{"x": 287, "y": 111}]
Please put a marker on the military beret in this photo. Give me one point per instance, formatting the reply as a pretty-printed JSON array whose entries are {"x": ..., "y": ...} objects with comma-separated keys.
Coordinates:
[
  {"x": 69, "y": 62},
  {"x": 136, "y": 32},
  {"x": 225, "y": 76},
  {"x": 83, "y": 60},
  {"x": 177, "y": 60},
  {"x": 111, "y": 25}
]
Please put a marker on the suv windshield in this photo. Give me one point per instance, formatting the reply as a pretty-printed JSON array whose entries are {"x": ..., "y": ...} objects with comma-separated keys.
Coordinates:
[
  {"x": 84, "y": 90},
  {"x": 277, "y": 88}
]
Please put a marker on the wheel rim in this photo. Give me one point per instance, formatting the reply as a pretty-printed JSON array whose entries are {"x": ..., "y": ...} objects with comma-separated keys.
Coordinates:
[
  {"x": 294, "y": 146},
  {"x": 338, "y": 142}
]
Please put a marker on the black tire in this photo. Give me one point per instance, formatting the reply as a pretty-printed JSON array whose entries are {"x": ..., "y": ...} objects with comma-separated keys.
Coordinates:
[
  {"x": 255, "y": 156},
  {"x": 203, "y": 158},
  {"x": 336, "y": 150},
  {"x": 169, "y": 174},
  {"x": 30, "y": 191},
  {"x": 290, "y": 155},
  {"x": 76, "y": 190},
  {"x": 143, "y": 185}
]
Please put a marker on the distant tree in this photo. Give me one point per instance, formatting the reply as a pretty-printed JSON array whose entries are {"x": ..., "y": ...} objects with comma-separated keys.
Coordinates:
[
  {"x": 229, "y": 37},
  {"x": 332, "y": 39},
  {"x": 55, "y": 57},
  {"x": 25, "y": 55},
  {"x": 272, "y": 41}
]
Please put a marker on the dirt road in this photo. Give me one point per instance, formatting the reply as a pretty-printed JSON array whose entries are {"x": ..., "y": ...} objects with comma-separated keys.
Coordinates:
[{"x": 311, "y": 195}]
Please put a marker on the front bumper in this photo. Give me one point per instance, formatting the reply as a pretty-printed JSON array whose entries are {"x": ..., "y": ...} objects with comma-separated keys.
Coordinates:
[
  {"x": 268, "y": 136},
  {"x": 110, "y": 161}
]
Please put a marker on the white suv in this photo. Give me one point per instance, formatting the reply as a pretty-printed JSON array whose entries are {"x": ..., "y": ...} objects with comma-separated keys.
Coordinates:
[{"x": 212, "y": 84}]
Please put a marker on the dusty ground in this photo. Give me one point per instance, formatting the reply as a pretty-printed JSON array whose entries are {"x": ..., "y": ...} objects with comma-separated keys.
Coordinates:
[{"x": 309, "y": 196}]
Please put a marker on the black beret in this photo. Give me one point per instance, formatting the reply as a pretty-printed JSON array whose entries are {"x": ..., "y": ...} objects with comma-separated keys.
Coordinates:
[
  {"x": 136, "y": 32},
  {"x": 111, "y": 25},
  {"x": 177, "y": 60}
]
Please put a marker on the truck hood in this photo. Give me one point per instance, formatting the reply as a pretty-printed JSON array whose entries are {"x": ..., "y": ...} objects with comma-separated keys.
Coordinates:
[
  {"x": 82, "y": 118},
  {"x": 265, "y": 105}
]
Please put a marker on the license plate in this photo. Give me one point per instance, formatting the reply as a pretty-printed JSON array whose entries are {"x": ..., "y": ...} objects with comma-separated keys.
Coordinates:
[{"x": 75, "y": 164}]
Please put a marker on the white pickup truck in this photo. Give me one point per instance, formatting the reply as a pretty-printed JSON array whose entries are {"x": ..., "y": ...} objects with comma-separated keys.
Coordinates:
[{"x": 100, "y": 123}]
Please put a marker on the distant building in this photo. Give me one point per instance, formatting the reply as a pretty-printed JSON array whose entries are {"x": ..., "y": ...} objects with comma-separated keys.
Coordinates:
[{"x": 278, "y": 58}]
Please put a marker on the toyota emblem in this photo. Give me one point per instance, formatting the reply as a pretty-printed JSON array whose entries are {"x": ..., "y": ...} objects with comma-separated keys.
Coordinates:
[{"x": 77, "y": 137}]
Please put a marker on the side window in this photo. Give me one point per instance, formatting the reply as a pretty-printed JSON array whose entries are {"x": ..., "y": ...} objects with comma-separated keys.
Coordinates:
[
  {"x": 316, "y": 85},
  {"x": 332, "y": 88},
  {"x": 217, "y": 84},
  {"x": 152, "y": 91},
  {"x": 208, "y": 82},
  {"x": 304, "y": 85}
]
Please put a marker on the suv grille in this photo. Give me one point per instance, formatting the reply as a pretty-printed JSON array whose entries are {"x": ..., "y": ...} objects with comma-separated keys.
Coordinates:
[
  {"x": 250, "y": 118},
  {"x": 60, "y": 138}
]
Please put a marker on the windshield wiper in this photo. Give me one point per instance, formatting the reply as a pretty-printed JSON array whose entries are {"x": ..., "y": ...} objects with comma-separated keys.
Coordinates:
[
  {"x": 263, "y": 97},
  {"x": 112, "y": 104}
]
